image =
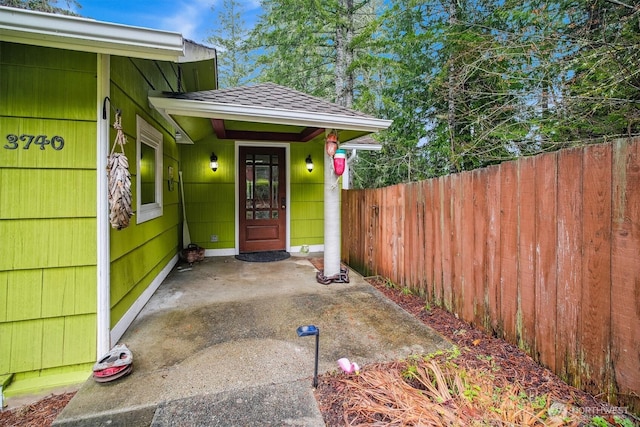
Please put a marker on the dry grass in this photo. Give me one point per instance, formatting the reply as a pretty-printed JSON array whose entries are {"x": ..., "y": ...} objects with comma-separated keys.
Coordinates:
[{"x": 436, "y": 392}]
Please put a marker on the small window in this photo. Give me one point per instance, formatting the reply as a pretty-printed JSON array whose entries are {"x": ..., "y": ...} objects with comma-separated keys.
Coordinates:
[{"x": 149, "y": 176}]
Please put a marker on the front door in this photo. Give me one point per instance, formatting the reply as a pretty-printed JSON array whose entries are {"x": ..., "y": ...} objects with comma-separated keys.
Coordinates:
[{"x": 263, "y": 198}]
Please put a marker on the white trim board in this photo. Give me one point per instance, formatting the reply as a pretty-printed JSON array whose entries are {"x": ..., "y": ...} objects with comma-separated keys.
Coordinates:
[{"x": 123, "y": 324}]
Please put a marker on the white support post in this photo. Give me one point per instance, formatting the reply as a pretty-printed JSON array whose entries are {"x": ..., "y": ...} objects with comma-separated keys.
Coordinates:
[
  {"x": 346, "y": 176},
  {"x": 331, "y": 219}
]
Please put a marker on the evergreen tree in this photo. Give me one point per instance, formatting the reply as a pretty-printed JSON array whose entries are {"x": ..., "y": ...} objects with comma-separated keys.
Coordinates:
[
  {"x": 49, "y": 6},
  {"x": 467, "y": 83},
  {"x": 316, "y": 47},
  {"x": 477, "y": 83},
  {"x": 601, "y": 92},
  {"x": 229, "y": 38}
]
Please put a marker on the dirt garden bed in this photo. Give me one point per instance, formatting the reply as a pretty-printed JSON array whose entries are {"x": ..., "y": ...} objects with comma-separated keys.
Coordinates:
[{"x": 484, "y": 381}]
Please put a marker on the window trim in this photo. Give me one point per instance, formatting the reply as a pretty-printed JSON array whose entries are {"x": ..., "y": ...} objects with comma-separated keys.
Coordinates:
[{"x": 150, "y": 136}]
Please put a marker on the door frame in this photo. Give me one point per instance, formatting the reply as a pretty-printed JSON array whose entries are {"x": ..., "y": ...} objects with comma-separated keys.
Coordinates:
[{"x": 287, "y": 161}]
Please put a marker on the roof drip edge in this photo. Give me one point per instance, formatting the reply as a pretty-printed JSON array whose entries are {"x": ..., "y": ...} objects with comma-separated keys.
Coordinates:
[{"x": 245, "y": 113}]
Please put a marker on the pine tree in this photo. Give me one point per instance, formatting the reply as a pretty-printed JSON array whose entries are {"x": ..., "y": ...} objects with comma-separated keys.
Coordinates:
[{"x": 229, "y": 38}]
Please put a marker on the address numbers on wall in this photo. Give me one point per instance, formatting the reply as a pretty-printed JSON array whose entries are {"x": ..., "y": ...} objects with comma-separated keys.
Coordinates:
[{"x": 26, "y": 141}]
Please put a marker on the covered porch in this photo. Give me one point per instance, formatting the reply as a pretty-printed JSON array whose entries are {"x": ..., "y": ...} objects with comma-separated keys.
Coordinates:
[
  {"x": 217, "y": 345},
  {"x": 265, "y": 137}
]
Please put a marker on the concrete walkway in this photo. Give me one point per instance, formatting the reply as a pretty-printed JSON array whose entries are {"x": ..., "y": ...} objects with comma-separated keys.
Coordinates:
[{"x": 217, "y": 346}]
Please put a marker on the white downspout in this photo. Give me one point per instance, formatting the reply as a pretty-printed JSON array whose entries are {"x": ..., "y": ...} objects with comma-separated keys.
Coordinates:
[
  {"x": 346, "y": 176},
  {"x": 103, "y": 265},
  {"x": 331, "y": 219}
]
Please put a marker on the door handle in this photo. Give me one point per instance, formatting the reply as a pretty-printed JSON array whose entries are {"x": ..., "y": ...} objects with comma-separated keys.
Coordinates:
[{"x": 283, "y": 202}]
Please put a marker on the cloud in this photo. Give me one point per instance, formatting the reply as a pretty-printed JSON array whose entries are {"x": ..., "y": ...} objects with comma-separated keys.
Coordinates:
[
  {"x": 194, "y": 19},
  {"x": 188, "y": 19}
]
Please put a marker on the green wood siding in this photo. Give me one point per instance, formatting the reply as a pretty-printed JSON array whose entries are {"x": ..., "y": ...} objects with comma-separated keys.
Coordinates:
[
  {"x": 47, "y": 243},
  {"x": 46, "y": 83},
  {"x": 210, "y": 196},
  {"x": 307, "y": 195},
  {"x": 51, "y": 197},
  {"x": 140, "y": 251},
  {"x": 47, "y": 211}
]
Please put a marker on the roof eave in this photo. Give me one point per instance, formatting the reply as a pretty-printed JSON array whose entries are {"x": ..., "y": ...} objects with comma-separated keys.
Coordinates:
[
  {"x": 87, "y": 35},
  {"x": 195, "y": 108},
  {"x": 363, "y": 147}
]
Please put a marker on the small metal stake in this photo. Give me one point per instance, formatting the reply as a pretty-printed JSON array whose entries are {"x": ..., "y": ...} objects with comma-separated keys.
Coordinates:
[{"x": 305, "y": 331}]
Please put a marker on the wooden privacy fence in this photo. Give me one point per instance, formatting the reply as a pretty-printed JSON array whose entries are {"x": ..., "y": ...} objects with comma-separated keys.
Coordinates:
[{"x": 543, "y": 252}]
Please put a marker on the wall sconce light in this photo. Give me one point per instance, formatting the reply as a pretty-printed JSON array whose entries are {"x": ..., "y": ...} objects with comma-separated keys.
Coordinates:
[
  {"x": 309, "y": 163},
  {"x": 213, "y": 162}
]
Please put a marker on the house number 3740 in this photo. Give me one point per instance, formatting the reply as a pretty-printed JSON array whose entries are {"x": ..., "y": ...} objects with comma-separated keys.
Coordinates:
[{"x": 15, "y": 141}]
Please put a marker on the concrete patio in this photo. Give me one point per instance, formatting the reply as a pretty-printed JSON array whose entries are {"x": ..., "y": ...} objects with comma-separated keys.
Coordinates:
[{"x": 217, "y": 346}]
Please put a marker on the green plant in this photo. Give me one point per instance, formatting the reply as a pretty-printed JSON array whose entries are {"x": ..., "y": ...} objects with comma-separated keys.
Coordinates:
[
  {"x": 454, "y": 353},
  {"x": 406, "y": 291},
  {"x": 471, "y": 392},
  {"x": 449, "y": 355},
  {"x": 599, "y": 422},
  {"x": 410, "y": 372},
  {"x": 539, "y": 402},
  {"x": 624, "y": 422}
]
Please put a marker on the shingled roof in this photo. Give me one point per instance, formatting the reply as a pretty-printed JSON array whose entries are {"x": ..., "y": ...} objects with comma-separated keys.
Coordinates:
[
  {"x": 269, "y": 95},
  {"x": 301, "y": 117}
]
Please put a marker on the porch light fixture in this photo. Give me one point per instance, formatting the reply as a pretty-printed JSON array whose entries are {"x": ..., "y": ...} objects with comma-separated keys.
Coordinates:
[
  {"x": 213, "y": 162},
  {"x": 309, "y": 163},
  {"x": 306, "y": 331}
]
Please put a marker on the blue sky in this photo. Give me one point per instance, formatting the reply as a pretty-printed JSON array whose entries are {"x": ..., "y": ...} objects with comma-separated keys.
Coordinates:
[{"x": 194, "y": 19}]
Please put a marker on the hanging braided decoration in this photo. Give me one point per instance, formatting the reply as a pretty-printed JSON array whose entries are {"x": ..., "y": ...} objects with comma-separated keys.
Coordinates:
[{"x": 119, "y": 181}]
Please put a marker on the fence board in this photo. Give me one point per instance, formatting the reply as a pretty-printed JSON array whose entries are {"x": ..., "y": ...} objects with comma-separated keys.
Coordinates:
[
  {"x": 377, "y": 249},
  {"x": 467, "y": 288},
  {"x": 480, "y": 255},
  {"x": 526, "y": 320},
  {"x": 429, "y": 238},
  {"x": 596, "y": 305},
  {"x": 546, "y": 273},
  {"x": 625, "y": 271},
  {"x": 543, "y": 250},
  {"x": 399, "y": 226},
  {"x": 456, "y": 243},
  {"x": 411, "y": 239},
  {"x": 493, "y": 249},
  {"x": 386, "y": 233},
  {"x": 361, "y": 250},
  {"x": 509, "y": 249},
  {"x": 437, "y": 250},
  {"x": 346, "y": 236},
  {"x": 420, "y": 245},
  {"x": 570, "y": 181},
  {"x": 447, "y": 237}
]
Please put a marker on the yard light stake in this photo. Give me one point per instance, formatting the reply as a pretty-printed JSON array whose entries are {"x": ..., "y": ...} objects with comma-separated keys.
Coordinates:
[{"x": 305, "y": 331}]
